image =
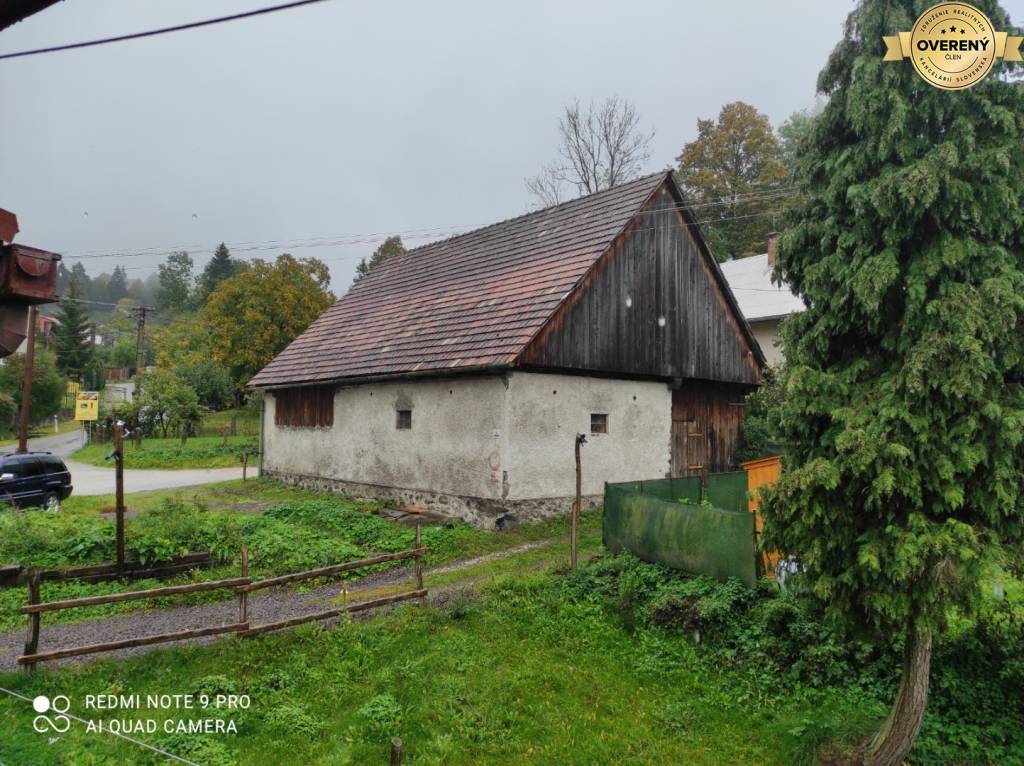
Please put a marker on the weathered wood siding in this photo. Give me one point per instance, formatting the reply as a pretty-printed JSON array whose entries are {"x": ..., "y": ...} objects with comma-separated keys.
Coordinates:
[
  {"x": 706, "y": 427},
  {"x": 653, "y": 305}
]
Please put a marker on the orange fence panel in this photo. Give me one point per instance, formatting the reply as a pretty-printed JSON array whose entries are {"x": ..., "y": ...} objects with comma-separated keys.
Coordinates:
[{"x": 763, "y": 472}]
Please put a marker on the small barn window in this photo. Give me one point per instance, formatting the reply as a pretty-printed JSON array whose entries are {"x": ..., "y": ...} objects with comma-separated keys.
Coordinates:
[
  {"x": 305, "y": 407},
  {"x": 598, "y": 422},
  {"x": 403, "y": 420}
]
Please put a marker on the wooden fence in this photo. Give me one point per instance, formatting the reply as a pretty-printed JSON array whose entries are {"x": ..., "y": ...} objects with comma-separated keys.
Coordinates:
[
  {"x": 16, "y": 576},
  {"x": 242, "y": 585}
]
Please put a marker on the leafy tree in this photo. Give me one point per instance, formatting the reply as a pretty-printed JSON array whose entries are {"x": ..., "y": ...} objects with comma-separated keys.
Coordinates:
[
  {"x": 600, "y": 147},
  {"x": 734, "y": 174},
  {"x": 220, "y": 267},
  {"x": 176, "y": 283},
  {"x": 117, "y": 287},
  {"x": 390, "y": 246},
  {"x": 122, "y": 353},
  {"x": 794, "y": 130},
  {"x": 167, "y": 402},
  {"x": 903, "y": 406},
  {"x": 211, "y": 380},
  {"x": 48, "y": 386},
  {"x": 184, "y": 340},
  {"x": 251, "y": 317},
  {"x": 73, "y": 335}
]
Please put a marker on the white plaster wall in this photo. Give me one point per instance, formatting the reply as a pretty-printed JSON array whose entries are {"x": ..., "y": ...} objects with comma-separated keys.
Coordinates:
[
  {"x": 456, "y": 444},
  {"x": 545, "y": 412},
  {"x": 767, "y": 334}
]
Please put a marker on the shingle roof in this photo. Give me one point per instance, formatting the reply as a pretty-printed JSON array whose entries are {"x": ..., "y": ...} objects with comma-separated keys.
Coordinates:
[
  {"x": 758, "y": 298},
  {"x": 471, "y": 301}
]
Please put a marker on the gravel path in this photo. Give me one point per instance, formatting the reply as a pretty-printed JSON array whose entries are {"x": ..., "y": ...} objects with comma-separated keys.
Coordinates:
[{"x": 268, "y": 605}]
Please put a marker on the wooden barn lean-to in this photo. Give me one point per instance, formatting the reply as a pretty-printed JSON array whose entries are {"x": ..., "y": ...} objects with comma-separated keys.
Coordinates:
[{"x": 456, "y": 376}]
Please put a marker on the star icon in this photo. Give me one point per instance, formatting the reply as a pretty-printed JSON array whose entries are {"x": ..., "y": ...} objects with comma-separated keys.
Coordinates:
[
  {"x": 963, "y": 32},
  {"x": 952, "y": 29},
  {"x": 943, "y": 31}
]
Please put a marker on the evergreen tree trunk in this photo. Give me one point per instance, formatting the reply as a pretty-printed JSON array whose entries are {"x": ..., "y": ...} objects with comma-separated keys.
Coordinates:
[{"x": 890, "y": 745}]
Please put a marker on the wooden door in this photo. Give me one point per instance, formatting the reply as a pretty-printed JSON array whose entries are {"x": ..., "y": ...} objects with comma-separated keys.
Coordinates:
[{"x": 690, "y": 437}]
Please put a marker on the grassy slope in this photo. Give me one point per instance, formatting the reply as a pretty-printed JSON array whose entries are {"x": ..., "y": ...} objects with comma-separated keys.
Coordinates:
[
  {"x": 197, "y": 452},
  {"x": 523, "y": 676}
]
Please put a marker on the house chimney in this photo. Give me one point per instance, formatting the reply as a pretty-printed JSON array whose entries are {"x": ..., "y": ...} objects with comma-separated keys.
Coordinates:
[{"x": 773, "y": 240}]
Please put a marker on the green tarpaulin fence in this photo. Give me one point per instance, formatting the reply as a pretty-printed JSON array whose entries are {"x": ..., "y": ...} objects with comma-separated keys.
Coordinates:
[{"x": 648, "y": 519}]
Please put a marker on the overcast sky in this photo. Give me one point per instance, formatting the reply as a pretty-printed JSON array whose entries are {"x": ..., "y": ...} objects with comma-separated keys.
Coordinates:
[{"x": 346, "y": 119}]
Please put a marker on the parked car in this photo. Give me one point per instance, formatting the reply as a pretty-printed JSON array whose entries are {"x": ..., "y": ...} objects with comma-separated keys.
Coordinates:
[{"x": 34, "y": 479}]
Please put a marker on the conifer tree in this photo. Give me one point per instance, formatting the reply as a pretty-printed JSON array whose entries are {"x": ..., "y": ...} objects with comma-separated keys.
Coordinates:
[
  {"x": 904, "y": 394},
  {"x": 220, "y": 267},
  {"x": 72, "y": 336}
]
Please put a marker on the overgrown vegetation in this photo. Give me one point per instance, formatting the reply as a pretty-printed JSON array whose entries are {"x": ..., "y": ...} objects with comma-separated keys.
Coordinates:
[
  {"x": 974, "y": 715},
  {"x": 197, "y": 452},
  {"x": 294, "y": 531}
]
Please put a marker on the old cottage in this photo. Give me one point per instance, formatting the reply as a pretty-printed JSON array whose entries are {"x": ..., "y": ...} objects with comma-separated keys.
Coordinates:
[{"x": 456, "y": 376}]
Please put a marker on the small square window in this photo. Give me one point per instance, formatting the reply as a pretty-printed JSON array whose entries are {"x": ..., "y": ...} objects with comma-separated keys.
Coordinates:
[
  {"x": 403, "y": 420},
  {"x": 598, "y": 423}
]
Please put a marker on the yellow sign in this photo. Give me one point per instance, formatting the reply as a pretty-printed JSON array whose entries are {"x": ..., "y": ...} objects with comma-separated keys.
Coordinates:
[
  {"x": 953, "y": 46},
  {"x": 87, "y": 405},
  {"x": 74, "y": 387}
]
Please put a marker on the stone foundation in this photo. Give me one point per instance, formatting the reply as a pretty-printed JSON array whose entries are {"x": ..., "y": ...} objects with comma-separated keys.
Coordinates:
[{"x": 482, "y": 512}]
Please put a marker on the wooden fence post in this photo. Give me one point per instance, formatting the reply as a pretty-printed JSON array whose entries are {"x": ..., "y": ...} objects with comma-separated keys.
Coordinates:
[
  {"x": 419, "y": 567},
  {"x": 32, "y": 640},
  {"x": 396, "y": 751},
  {"x": 119, "y": 493},
  {"x": 245, "y": 464},
  {"x": 576, "y": 506},
  {"x": 243, "y": 595}
]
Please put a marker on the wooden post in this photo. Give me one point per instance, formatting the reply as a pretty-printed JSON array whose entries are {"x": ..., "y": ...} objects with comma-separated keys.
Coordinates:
[
  {"x": 419, "y": 565},
  {"x": 580, "y": 439},
  {"x": 396, "y": 751},
  {"x": 245, "y": 464},
  {"x": 119, "y": 490},
  {"x": 243, "y": 595},
  {"x": 32, "y": 640},
  {"x": 26, "y": 383}
]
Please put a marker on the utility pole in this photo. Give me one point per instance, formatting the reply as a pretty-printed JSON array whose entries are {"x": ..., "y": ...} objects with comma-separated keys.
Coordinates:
[
  {"x": 26, "y": 384},
  {"x": 140, "y": 314}
]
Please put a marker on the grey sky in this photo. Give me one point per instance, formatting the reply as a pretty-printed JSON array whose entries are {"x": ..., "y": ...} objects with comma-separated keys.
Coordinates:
[{"x": 345, "y": 119}]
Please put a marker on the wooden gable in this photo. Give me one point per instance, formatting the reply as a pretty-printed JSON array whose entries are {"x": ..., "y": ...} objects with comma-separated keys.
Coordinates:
[{"x": 655, "y": 304}]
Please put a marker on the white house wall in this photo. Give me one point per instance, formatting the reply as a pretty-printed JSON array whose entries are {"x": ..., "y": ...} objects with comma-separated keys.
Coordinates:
[
  {"x": 454, "y": 440},
  {"x": 547, "y": 411},
  {"x": 482, "y": 449}
]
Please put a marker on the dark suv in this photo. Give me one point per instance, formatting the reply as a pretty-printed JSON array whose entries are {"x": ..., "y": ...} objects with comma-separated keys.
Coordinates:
[{"x": 34, "y": 479}]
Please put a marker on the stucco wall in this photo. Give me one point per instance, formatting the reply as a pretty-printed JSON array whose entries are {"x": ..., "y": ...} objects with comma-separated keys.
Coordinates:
[
  {"x": 547, "y": 411},
  {"x": 479, "y": 448},
  {"x": 455, "y": 439},
  {"x": 767, "y": 333}
]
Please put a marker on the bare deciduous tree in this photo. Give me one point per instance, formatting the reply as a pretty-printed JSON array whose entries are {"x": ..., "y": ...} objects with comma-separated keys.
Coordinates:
[{"x": 600, "y": 147}]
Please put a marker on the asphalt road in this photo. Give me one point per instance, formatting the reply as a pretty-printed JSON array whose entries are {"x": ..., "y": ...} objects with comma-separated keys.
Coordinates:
[{"x": 96, "y": 480}]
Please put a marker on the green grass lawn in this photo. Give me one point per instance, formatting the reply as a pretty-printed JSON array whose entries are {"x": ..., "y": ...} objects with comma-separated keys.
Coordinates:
[
  {"x": 524, "y": 673},
  {"x": 197, "y": 452}
]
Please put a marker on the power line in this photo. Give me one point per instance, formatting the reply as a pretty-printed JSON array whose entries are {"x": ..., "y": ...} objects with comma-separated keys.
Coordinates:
[
  {"x": 430, "y": 233},
  {"x": 162, "y": 30}
]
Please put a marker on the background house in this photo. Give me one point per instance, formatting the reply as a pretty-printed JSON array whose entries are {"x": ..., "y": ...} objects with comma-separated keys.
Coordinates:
[
  {"x": 456, "y": 376},
  {"x": 764, "y": 304}
]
